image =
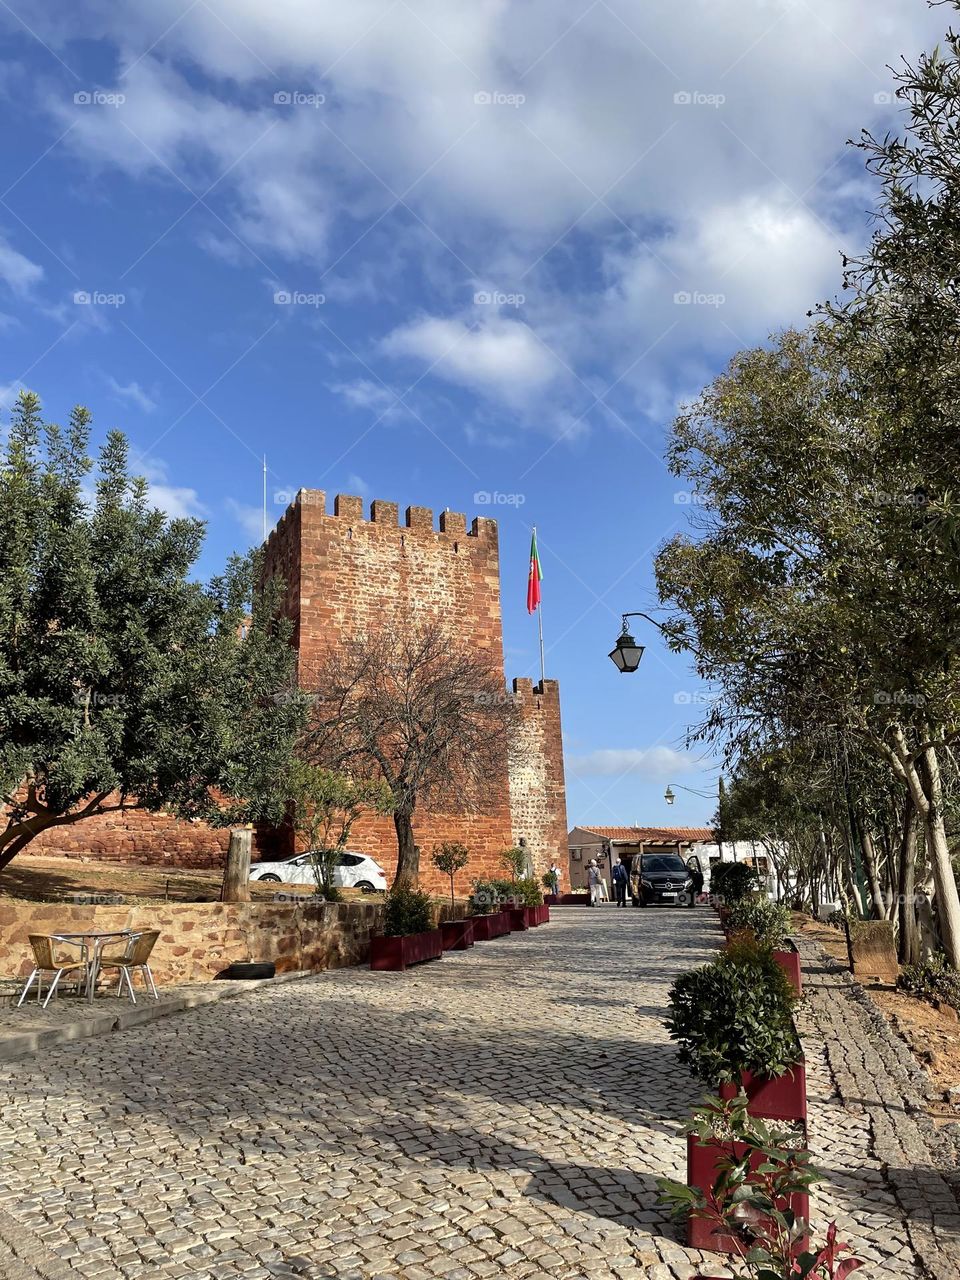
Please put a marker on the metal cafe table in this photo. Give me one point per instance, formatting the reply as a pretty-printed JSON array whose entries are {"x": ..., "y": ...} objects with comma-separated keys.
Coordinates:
[{"x": 91, "y": 943}]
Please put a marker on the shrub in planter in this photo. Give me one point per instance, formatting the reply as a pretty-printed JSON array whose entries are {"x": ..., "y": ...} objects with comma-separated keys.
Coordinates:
[
  {"x": 734, "y": 1016},
  {"x": 754, "y": 1199},
  {"x": 407, "y": 911},
  {"x": 484, "y": 898},
  {"x": 733, "y": 881},
  {"x": 527, "y": 892},
  {"x": 769, "y": 922}
]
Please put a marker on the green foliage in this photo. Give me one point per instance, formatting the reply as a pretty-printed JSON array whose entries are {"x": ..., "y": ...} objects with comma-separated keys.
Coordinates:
[
  {"x": 123, "y": 680},
  {"x": 449, "y": 858},
  {"x": 528, "y": 892},
  {"x": 323, "y": 806},
  {"x": 732, "y": 882},
  {"x": 932, "y": 980},
  {"x": 760, "y": 1167},
  {"x": 735, "y": 1015},
  {"x": 515, "y": 860},
  {"x": 769, "y": 921},
  {"x": 407, "y": 911},
  {"x": 484, "y": 898},
  {"x": 494, "y": 895}
]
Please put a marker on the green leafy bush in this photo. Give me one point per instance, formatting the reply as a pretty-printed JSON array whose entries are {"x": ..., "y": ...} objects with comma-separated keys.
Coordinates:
[
  {"x": 735, "y": 1015},
  {"x": 769, "y": 921},
  {"x": 527, "y": 892},
  {"x": 733, "y": 881},
  {"x": 760, "y": 1170},
  {"x": 932, "y": 980},
  {"x": 407, "y": 911},
  {"x": 515, "y": 860}
]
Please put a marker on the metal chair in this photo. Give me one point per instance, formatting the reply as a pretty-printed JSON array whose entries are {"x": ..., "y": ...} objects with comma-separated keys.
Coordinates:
[
  {"x": 136, "y": 957},
  {"x": 46, "y": 960}
]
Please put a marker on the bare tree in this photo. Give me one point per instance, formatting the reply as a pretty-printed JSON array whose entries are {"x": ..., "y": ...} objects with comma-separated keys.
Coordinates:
[{"x": 413, "y": 703}]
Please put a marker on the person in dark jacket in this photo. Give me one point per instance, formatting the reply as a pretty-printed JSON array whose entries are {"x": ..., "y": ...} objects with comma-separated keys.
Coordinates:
[{"x": 621, "y": 878}]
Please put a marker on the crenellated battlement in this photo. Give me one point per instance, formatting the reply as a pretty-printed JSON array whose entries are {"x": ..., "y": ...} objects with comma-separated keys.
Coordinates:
[
  {"x": 349, "y": 508},
  {"x": 533, "y": 696}
]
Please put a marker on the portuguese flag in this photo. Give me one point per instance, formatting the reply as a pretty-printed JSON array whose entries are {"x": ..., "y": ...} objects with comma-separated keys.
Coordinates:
[{"x": 535, "y": 577}]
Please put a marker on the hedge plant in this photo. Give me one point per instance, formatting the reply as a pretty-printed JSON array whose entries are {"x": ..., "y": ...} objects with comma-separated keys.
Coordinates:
[
  {"x": 768, "y": 921},
  {"x": 735, "y": 1015},
  {"x": 733, "y": 881},
  {"x": 407, "y": 911}
]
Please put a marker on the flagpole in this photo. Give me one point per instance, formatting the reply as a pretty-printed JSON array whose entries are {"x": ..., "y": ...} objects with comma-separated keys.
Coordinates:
[{"x": 543, "y": 669}]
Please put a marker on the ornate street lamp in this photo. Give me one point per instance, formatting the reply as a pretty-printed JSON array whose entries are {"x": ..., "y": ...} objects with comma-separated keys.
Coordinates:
[{"x": 627, "y": 653}]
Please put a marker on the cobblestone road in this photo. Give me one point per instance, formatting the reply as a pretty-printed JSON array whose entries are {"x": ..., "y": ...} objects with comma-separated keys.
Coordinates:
[{"x": 501, "y": 1113}]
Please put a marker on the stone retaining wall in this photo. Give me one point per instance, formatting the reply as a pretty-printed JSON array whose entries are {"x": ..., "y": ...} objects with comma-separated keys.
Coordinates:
[{"x": 199, "y": 939}]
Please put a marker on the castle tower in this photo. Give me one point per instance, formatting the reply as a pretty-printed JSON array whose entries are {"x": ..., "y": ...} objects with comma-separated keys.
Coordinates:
[{"x": 344, "y": 572}]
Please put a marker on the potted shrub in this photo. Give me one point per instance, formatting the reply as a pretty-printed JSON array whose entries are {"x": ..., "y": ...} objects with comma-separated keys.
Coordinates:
[
  {"x": 527, "y": 893},
  {"x": 486, "y": 915},
  {"x": 449, "y": 858},
  {"x": 733, "y": 1022},
  {"x": 408, "y": 935},
  {"x": 748, "y": 1194},
  {"x": 768, "y": 923},
  {"x": 731, "y": 882}
]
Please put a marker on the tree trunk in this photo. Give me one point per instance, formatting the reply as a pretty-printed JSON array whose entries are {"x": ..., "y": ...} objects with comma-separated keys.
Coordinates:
[
  {"x": 873, "y": 876},
  {"x": 938, "y": 851},
  {"x": 236, "y": 874},
  {"x": 408, "y": 853},
  {"x": 908, "y": 941}
]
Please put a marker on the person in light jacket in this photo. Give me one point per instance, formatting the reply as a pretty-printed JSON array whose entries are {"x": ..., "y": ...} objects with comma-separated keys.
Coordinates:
[{"x": 594, "y": 882}]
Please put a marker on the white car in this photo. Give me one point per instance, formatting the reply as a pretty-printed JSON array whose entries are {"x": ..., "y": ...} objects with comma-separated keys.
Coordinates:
[{"x": 352, "y": 871}]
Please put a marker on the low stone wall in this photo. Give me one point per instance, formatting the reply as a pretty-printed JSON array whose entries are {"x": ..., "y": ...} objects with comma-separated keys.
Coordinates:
[{"x": 199, "y": 939}]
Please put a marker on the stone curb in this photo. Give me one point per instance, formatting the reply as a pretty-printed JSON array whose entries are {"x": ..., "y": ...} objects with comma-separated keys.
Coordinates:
[{"x": 96, "y": 1022}]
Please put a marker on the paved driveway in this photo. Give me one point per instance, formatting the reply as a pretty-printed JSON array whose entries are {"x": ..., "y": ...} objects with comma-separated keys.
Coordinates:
[{"x": 502, "y": 1112}]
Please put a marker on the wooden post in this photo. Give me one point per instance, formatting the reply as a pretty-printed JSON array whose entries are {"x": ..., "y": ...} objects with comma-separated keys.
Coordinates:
[{"x": 236, "y": 874}]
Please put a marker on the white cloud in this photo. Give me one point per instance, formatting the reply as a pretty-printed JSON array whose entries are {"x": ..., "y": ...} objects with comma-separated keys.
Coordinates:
[
  {"x": 598, "y": 196},
  {"x": 178, "y": 502},
  {"x": 498, "y": 357},
  {"x": 18, "y": 273},
  {"x": 356, "y": 484},
  {"x": 250, "y": 519},
  {"x": 363, "y": 393},
  {"x": 654, "y": 763},
  {"x": 133, "y": 392}
]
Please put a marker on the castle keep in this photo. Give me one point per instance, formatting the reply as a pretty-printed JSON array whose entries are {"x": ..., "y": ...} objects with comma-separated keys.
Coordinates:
[{"x": 344, "y": 571}]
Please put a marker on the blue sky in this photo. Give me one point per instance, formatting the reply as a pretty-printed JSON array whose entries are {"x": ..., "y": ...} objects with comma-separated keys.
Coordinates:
[{"x": 444, "y": 253}]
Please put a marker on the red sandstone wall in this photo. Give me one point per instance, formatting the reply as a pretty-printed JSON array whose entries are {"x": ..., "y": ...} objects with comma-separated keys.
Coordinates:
[{"x": 355, "y": 572}]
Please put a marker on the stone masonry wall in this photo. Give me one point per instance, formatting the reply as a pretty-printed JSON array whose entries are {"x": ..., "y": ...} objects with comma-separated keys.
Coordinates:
[
  {"x": 199, "y": 939},
  {"x": 537, "y": 794}
]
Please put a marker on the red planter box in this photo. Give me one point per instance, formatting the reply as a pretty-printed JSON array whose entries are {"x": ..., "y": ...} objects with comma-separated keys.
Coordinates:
[
  {"x": 457, "y": 934},
  {"x": 774, "y": 1097},
  {"x": 414, "y": 948},
  {"x": 702, "y": 1160},
  {"x": 545, "y": 913},
  {"x": 575, "y": 899},
  {"x": 789, "y": 962},
  {"x": 491, "y": 926},
  {"x": 517, "y": 917},
  {"x": 533, "y": 917},
  {"x": 485, "y": 928},
  {"x": 551, "y": 899}
]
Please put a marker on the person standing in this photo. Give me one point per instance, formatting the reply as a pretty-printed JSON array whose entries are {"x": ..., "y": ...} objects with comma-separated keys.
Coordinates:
[
  {"x": 554, "y": 874},
  {"x": 620, "y": 878},
  {"x": 593, "y": 880}
]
